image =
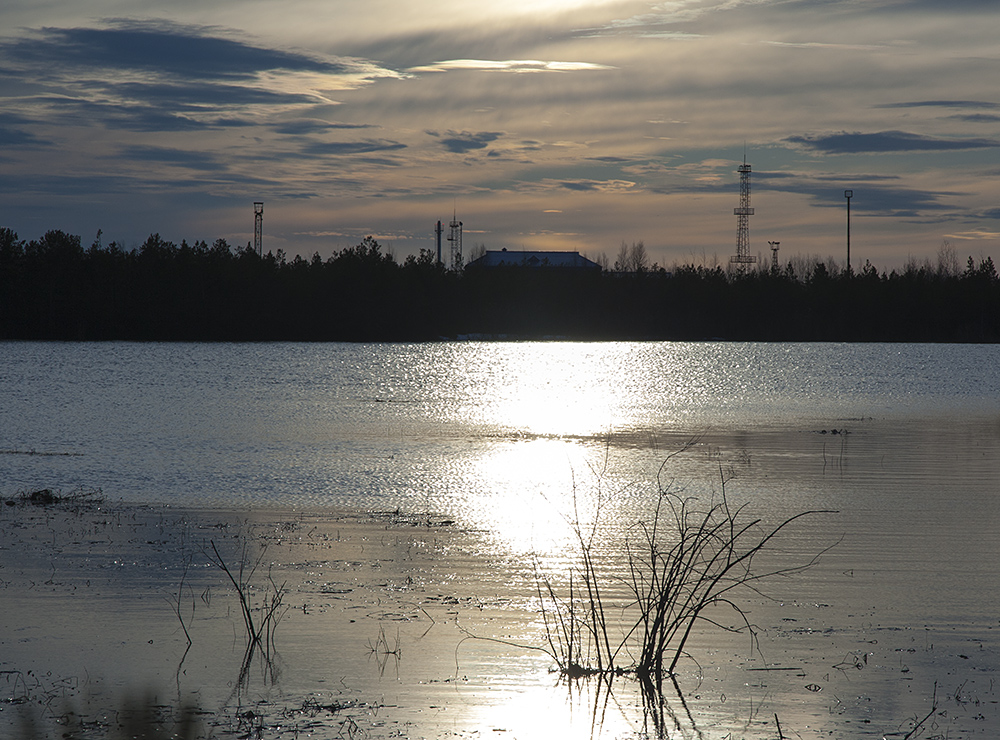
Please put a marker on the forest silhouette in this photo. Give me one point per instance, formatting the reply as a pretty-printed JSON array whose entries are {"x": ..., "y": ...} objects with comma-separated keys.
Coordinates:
[{"x": 54, "y": 288}]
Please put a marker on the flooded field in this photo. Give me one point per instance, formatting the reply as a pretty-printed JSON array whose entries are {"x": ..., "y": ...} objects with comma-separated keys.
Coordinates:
[
  {"x": 407, "y": 507},
  {"x": 406, "y": 626}
]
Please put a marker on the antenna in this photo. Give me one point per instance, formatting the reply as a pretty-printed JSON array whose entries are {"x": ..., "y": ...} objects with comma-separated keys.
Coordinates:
[
  {"x": 774, "y": 256},
  {"x": 742, "y": 257},
  {"x": 258, "y": 228},
  {"x": 455, "y": 237}
]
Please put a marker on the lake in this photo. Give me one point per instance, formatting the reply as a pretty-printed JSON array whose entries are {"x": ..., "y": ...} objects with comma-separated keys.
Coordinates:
[{"x": 901, "y": 441}]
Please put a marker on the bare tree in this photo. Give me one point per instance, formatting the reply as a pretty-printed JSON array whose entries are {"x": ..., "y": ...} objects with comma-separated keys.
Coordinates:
[
  {"x": 947, "y": 260},
  {"x": 621, "y": 261},
  {"x": 632, "y": 258},
  {"x": 638, "y": 260},
  {"x": 477, "y": 251}
]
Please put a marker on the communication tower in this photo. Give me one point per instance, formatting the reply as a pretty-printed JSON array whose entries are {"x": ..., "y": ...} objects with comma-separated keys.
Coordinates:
[
  {"x": 455, "y": 237},
  {"x": 774, "y": 256},
  {"x": 258, "y": 228},
  {"x": 742, "y": 257}
]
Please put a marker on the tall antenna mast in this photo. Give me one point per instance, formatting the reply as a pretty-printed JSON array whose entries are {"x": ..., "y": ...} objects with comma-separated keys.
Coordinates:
[
  {"x": 455, "y": 237},
  {"x": 258, "y": 228},
  {"x": 742, "y": 257},
  {"x": 774, "y": 256}
]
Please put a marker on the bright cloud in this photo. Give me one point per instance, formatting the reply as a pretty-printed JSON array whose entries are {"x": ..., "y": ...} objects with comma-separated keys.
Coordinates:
[{"x": 519, "y": 66}]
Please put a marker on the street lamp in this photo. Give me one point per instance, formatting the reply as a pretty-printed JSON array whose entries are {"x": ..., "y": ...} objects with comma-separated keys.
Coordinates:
[{"x": 848, "y": 194}]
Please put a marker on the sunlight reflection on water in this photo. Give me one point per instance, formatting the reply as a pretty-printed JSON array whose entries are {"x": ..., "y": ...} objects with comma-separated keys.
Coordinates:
[{"x": 498, "y": 433}]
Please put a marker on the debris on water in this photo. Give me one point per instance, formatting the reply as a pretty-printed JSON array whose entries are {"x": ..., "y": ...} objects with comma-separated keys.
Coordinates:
[{"x": 51, "y": 497}]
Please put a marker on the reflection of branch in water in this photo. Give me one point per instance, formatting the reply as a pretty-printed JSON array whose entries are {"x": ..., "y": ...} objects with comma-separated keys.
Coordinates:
[
  {"x": 268, "y": 665},
  {"x": 180, "y": 667},
  {"x": 656, "y": 710},
  {"x": 175, "y": 605},
  {"x": 913, "y": 733},
  {"x": 259, "y": 634},
  {"x": 598, "y": 706},
  {"x": 271, "y": 609},
  {"x": 660, "y": 720},
  {"x": 382, "y": 651}
]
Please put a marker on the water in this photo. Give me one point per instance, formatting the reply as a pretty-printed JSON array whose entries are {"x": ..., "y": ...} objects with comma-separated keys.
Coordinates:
[
  {"x": 480, "y": 430},
  {"x": 394, "y": 425},
  {"x": 902, "y": 442}
]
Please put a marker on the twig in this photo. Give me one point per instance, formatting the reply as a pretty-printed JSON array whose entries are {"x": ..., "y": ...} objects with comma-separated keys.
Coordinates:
[{"x": 930, "y": 714}]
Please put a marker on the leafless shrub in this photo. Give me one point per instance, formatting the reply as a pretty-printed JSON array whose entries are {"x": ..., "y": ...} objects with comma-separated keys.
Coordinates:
[{"x": 682, "y": 561}]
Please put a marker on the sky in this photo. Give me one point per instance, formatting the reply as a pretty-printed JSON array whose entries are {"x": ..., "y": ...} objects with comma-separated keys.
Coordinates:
[{"x": 548, "y": 125}]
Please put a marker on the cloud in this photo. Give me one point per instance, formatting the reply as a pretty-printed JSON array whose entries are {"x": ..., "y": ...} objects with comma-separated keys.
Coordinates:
[
  {"x": 824, "y": 45},
  {"x": 976, "y": 117},
  {"x": 178, "y": 157},
  {"x": 602, "y": 186},
  {"x": 885, "y": 141},
  {"x": 164, "y": 77},
  {"x": 610, "y": 159},
  {"x": 461, "y": 142},
  {"x": 305, "y": 126},
  {"x": 13, "y": 133},
  {"x": 161, "y": 48},
  {"x": 366, "y": 146},
  {"x": 979, "y": 104},
  {"x": 140, "y": 118},
  {"x": 198, "y": 95},
  {"x": 933, "y": 6},
  {"x": 874, "y": 194},
  {"x": 510, "y": 65},
  {"x": 974, "y": 235},
  {"x": 655, "y": 24},
  {"x": 60, "y": 185}
]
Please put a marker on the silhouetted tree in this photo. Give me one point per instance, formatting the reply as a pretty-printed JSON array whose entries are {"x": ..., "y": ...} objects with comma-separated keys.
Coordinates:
[{"x": 53, "y": 288}]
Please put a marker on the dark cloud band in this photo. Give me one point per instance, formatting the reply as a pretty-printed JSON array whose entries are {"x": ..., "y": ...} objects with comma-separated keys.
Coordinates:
[{"x": 886, "y": 141}]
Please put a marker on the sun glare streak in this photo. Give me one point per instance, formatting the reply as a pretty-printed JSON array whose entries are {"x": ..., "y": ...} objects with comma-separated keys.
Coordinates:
[
  {"x": 533, "y": 485},
  {"x": 561, "y": 392},
  {"x": 540, "y": 712}
]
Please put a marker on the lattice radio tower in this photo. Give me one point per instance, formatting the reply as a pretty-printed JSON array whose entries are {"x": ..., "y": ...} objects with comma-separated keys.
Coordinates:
[
  {"x": 742, "y": 257},
  {"x": 455, "y": 237},
  {"x": 258, "y": 228}
]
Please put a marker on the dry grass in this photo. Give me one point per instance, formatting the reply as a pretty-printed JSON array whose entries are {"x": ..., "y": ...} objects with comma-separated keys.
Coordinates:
[{"x": 683, "y": 562}]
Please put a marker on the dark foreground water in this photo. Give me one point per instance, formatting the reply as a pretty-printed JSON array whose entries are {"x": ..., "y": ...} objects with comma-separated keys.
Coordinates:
[{"x": 902, "y": 442}]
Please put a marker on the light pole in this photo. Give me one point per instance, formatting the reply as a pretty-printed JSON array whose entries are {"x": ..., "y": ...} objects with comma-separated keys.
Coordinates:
[{"x": 848, "y": 194}]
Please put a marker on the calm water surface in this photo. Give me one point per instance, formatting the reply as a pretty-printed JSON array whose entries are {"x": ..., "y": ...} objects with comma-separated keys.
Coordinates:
[
  {"x": 895, "y": 436},
  {"x": 901, "y": 441},
  {"x": 408, "y": 425}
]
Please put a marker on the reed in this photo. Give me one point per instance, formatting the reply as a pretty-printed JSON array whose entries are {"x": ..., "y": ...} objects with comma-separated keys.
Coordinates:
[
  {"x": 260, "y": 621},
  {"x": 680, "y": 563}
]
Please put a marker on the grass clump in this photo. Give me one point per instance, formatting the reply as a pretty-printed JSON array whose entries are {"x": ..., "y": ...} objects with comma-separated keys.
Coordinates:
[
  {"x": 45, "y": 497},
  {"x": 260, "y": 620},
  {"x": 681, "y": 563}
]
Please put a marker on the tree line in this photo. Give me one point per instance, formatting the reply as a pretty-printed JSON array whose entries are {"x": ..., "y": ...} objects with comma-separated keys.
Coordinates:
[{"x": 54, "y": 288}]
